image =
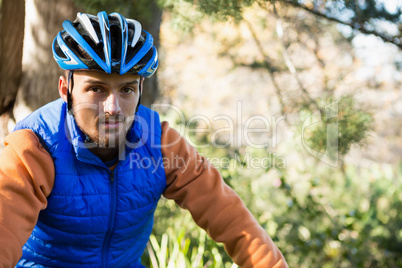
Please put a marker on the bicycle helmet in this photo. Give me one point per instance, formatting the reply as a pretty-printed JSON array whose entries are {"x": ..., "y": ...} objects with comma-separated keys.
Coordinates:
[{"x": 109, "y": 43}]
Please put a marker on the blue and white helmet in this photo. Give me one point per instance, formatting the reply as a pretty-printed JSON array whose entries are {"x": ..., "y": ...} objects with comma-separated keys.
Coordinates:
[{"x": 109, "y": 43}]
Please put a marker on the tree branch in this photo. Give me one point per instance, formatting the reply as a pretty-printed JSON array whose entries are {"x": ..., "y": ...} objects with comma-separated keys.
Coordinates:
[
  {"x": 268, "y": 68},
  {"x": 290, "y": 65},
  {"x": 393, "y": 40}
]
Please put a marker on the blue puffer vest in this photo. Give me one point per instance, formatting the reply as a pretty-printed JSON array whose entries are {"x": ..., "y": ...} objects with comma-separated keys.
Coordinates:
[{"x": 95, "y": 217}]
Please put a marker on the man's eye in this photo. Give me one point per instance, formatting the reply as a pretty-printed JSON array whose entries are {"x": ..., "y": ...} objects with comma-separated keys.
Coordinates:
[
  {"x": 127, "y": 90},
  {"x": 95, "y": 89}
]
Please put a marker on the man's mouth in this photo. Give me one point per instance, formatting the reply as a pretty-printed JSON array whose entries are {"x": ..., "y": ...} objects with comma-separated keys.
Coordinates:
[{"x": 112, "y": 122}]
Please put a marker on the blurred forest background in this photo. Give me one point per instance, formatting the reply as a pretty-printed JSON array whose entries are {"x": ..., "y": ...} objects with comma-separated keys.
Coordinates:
[{"x": 298, "y": 103}]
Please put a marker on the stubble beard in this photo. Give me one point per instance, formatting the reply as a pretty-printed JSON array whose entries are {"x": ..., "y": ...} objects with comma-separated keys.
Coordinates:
[{"x": 109, "y": 138}]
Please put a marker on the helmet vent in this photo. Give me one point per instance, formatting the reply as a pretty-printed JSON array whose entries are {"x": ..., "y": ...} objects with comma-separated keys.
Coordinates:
[
  {"x": 132, "y": 51},
  {"x": 76, "y": 48},
  {"x": 115, "y": 37}
]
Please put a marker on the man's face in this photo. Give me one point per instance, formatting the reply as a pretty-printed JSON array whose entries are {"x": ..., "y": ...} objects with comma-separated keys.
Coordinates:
[{"x": 104, "y": 105}]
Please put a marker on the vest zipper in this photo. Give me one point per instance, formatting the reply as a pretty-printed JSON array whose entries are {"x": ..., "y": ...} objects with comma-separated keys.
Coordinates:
[{"x": 112, "y": 216}]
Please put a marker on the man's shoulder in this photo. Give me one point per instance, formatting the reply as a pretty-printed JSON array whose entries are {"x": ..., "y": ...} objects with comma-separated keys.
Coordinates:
[
  {"x": 44, "y": 116},
  {"x": 147, "y": 116},
  {"x": 45, "y": 122}
]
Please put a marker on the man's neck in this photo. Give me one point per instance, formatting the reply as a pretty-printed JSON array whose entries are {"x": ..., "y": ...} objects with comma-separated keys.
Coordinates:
[{"x": 105, "y": 154}]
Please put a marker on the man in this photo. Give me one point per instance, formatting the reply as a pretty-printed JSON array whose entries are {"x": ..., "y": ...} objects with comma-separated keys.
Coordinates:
[{"x": 72, "y": 190}]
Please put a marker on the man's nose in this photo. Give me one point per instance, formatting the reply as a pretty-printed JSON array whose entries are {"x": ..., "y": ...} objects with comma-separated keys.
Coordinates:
[{"x": 111, "y": 105}]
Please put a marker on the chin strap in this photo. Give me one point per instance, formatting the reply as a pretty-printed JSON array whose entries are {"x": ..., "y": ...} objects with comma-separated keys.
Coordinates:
[
  {"x": 139, "y": 99},
  {"x": 70, "y": 80}
]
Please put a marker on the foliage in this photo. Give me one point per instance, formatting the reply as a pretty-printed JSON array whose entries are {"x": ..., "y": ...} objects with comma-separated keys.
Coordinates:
[
  {"x": 183, "y": 17},
  {"x": 340, "y": 221},
  {"x": 318, "y": 217},
  {"x": 353, "y": 125},
  {"x": 176, "y": 239},
  {"x": 368, "y": 16},
  {"x": 178, "y": 251},
  {"x": 139, "y": 9},
  {"x": 362, "y": 11},
  {"x": 224, "y": 9}
]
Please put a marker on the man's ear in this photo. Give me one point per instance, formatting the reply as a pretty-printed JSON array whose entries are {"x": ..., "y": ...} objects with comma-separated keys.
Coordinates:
[{"x": 63, "y": 87}]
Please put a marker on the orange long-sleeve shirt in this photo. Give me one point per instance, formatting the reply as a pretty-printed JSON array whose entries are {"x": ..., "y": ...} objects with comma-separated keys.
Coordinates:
[{"x": 27, "y": 178}]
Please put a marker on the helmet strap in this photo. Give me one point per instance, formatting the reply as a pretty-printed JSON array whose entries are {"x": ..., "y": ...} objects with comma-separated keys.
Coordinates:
[
  {"x": 139, "y": 99},
  {"x": 70, "y": 80}
]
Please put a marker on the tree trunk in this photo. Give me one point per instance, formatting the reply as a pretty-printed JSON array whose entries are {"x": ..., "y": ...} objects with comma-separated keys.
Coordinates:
[
  {"x": 40, "y": 71},
  {"x": 11, "y": 40},
  {"x": 151, "y": 87}
]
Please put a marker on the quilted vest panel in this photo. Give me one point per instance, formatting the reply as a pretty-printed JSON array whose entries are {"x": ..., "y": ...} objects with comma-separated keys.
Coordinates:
[{"x": 95, "y": 217}]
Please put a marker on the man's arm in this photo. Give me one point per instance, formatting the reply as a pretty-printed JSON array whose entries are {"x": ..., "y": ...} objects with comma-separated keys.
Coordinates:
[
  {"x": 197, "y": 186},
  {"x": 26, "y": 179}
]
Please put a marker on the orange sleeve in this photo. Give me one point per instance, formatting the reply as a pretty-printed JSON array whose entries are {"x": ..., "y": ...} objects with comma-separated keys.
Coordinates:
[
  {"x": 26, "y": 180},
  {"x": 197, "y": 186}
]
